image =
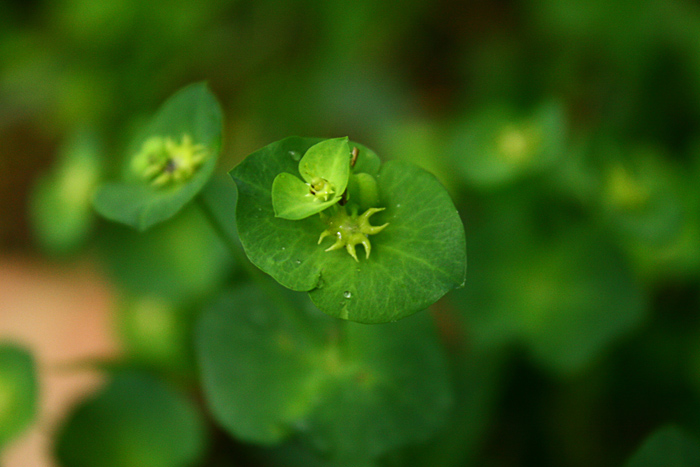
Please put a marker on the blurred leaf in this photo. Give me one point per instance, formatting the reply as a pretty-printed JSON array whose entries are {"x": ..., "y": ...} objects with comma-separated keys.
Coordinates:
[
  {"x": 182, "y": 260},
  {"x": 650, "y": 208},
  {"x": 135, "y": 420},
  {"x": 18, "y": 392},
  {"x": 157, "y": 333},
  {"x": 476, "y": 379},
  {"x": 259, "y": 368},
  {"x": 497, "y": 146},
  {"x": 220, "y": 196},
  {"x": 640, "y": 196},
  {"x": 60, "y": 206},
  {"x": 567, "y": 295},
  {"x": 421, "y": 142},
  {"x": 270, "y": 371},
  {"x": 193, "y": 113},
  {"x": 667, "y": 447},
  {"x": 423, "y": 245}
]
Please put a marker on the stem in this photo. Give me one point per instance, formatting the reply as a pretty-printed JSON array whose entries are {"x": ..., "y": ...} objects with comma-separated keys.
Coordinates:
[{"x": 302, "y": 320}]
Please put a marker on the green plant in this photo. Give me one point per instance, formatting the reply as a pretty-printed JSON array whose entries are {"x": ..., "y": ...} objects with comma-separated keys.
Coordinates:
[{"x": 369, "y": 243}]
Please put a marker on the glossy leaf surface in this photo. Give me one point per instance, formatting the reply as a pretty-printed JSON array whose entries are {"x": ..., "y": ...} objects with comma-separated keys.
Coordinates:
[{"x": 415, "y": 260}]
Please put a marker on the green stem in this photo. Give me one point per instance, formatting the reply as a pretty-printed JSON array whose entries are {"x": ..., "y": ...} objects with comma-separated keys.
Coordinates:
[{"x": 236, "y": 249}]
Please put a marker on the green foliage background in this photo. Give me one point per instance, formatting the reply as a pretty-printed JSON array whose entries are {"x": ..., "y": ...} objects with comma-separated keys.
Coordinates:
[{"x": 566, "y": 131}]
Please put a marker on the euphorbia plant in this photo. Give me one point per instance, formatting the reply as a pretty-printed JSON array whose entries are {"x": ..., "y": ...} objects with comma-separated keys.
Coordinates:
[
  {"x": 369, "y": 242},
  {"x": 414, "y": 248}
]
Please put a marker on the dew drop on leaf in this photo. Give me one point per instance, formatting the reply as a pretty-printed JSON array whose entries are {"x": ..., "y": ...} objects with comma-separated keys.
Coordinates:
[
  {"x": 295, "y": 155},
  {"x": 347, "y": 294}
]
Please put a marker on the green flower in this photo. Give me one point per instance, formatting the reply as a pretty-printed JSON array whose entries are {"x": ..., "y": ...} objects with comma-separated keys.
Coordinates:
[
  {"x": 325, "y": 169},
  {"x": 163, "y": 161},
  {"x": 351, "y": 230}
]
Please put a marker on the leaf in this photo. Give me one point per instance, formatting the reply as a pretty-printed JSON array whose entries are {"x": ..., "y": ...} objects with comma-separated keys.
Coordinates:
[
  {"x": 392, "y": 389},
  {"x": 325, "y": 168},
  {"x": 268, "y": 374},
  {"x": 18, "y": 392},
  {"x": 182, "y": 260},
  {"x": 567, "y": 298},
  {"x": 60, "y": 203},
  {"x": 418, "y": 258},
  {"x": 192, "y": 112},
  {"x": 667, "y": 447},
  {"x": 157, "y": 334},
  {"x": 329, "y": 159},
  {"x": 135, "y": 420},
  {"x": 258, "y": 368},
  {"x": 496, "y": 147},
  {"x": 292, "y": 200}
]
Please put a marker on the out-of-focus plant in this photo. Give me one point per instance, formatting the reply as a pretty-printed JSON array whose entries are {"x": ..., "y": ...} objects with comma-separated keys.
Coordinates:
[{"x": 565, "y": 133}]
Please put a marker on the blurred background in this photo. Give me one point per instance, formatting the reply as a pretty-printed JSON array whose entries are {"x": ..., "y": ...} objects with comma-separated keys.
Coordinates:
[{"x": 567, "y": 132}]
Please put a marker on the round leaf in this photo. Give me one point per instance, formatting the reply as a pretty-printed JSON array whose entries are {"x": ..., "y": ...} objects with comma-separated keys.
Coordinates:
[
  {"x": 191, "y": 113},
  {"x": 135, "y": 420},
  {"x": 267, "y": 374},
  {"x": 258, "y": 367},
  {"x": 415, "y": 260},
  {"x": 18, "y": 392},
  {"x": 391, "y": 388}
]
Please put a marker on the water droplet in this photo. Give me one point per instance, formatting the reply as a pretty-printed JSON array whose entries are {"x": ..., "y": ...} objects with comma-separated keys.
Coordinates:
[
  {"x": 398, "y": 206},
  {"x": 295, "y": 155},
  {"x": 284, "y": 248},
  {"x": 347, "y": 294},
  {"x": 298, "y": 261}
]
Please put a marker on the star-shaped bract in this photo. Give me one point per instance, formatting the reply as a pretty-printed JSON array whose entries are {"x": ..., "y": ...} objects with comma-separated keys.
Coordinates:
[{"x": 351, "y": 230}]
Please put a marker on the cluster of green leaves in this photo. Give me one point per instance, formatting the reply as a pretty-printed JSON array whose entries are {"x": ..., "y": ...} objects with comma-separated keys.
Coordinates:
[
  {"x": 565, "y": 131},
  {"x": 271, "y": 367}
]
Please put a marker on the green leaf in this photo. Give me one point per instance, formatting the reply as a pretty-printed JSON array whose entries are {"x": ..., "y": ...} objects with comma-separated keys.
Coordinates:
[
  {"x": 268, "y": 374},
  {"x": 135, "y": 420},
  {"x": 157, "y": 333},
  {"x": 292, "y": 200},
  {"x": 191, "y": 113},
  {"x": 567, "y": 298},
  {"x": 325, "y": 168},
  {"x": 61, "y": 201},
  {"x": 182, "y": 260},
  {"x": 329, "y": 159},
  {"x": 259, "y": 369},
  {"x": 18, "y": 392},
  {"x": 497, "y": 146},
  {"x": 418, "y": 258},
  {"x": 391, "y": 389},
  {"x": 667, "y": 447}
]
